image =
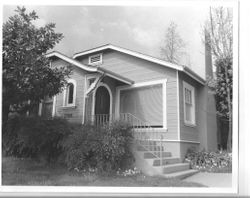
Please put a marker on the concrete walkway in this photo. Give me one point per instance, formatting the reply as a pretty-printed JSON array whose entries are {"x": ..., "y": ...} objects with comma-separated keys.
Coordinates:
[{"x": 219, "y": 180}]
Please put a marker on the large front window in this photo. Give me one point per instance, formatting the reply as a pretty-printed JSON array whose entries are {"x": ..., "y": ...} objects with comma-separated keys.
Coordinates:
[{"x": 145, "y": 103}]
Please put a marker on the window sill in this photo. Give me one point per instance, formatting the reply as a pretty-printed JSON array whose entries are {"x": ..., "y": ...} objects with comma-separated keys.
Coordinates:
[
  {"x": 69, "y": 107},
  {"x": 189, "y": 124}
]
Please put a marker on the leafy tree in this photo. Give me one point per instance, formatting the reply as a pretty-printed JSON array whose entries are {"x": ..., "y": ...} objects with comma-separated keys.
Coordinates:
[
  {"x": 220, "y": 30},
  {"x": 27, "y": 74},
  {"x": 172, "y": 50}
]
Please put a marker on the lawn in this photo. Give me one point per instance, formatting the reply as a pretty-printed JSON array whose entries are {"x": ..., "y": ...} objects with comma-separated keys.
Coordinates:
[{"x": 28, "y": 172}]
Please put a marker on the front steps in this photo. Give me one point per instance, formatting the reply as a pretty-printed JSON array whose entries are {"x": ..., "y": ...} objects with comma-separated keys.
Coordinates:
[{"x": 152, "y": 162}]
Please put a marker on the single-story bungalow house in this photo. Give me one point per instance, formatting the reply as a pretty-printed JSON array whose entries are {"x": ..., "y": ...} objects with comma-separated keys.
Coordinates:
[{"x": 168, "y": 105}]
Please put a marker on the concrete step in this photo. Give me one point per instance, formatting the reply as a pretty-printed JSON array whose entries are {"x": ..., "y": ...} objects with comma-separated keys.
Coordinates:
[
  {"x": 148, "y": 155},
  {"x": 181, "y": 174},
  {"x": 146, "y": 142},
  {"x": 149, "y": 148},
  {"x": 171, "y": 168},
  {"x": 165, "y": 161}
]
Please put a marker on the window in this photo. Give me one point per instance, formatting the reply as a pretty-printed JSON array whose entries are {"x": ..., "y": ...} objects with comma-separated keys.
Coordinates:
[
  {"x": 95, "y": 59},
  {"x": 189, "y": 104},
  {"x": 146, "y": 103},
  {"x": 70, "y": 93}
]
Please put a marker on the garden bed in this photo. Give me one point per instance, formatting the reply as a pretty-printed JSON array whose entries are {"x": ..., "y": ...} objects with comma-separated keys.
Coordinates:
[
  {"x": 16, "y": 171},
  {"x": 214, "y": 162}
]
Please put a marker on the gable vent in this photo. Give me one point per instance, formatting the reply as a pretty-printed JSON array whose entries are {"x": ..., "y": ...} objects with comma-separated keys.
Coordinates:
[{"x": 95, "y": 59}]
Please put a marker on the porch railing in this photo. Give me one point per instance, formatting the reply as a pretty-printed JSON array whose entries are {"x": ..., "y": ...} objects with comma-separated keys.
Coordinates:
[{"x": 146, "y": 137}]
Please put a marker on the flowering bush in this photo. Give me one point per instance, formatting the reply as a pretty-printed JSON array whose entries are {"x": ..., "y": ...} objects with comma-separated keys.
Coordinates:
[
  {"x": 220, "y": 161},
  {"x": 129, "y": 172}
]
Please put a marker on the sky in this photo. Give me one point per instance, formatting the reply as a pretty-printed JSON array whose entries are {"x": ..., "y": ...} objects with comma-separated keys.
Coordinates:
[{"x": 136, "y": 28}]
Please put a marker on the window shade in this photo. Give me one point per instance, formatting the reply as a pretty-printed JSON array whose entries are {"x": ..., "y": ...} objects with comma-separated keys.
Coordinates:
[{"x": 145, "y": 103}]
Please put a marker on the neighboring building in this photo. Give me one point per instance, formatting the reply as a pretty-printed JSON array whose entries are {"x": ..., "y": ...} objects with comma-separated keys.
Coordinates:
[{"x": 169, "y": 105}]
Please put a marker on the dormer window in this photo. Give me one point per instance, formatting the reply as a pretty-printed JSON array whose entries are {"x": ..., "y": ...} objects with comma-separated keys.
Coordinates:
[{"x": 95, "y": 59}]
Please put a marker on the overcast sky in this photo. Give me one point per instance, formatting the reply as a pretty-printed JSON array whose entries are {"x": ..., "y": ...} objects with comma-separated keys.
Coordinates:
[{"x": 136, "y": 28}]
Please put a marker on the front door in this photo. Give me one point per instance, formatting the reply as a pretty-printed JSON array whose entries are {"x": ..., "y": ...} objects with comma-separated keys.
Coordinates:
[{"x": 102, "y": 105}]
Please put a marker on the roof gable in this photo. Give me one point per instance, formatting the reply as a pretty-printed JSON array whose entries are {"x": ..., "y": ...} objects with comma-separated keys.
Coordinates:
[
  {"x": 89, "y": 68},
  {"x": 144, "y": 57}
]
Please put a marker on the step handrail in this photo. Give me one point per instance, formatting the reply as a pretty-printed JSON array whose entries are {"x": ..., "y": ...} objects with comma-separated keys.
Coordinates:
[{"x": 141, "y": 140}]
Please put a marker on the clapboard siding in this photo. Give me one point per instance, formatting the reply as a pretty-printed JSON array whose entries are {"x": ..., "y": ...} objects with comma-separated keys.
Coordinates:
[
  {"x": 73, "y": 114},
  {"x": 172, "y": 119},
  {"x": 139, "y": 70},
  {"x": 190, "y": 133},
  {"x": 131, "y": 67}
]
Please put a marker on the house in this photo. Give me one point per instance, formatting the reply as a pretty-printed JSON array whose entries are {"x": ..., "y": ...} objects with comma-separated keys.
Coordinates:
[{"x": 169, "y": 105}]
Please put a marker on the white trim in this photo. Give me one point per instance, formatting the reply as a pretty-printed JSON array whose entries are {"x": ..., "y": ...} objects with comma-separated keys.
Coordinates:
[
  {"x": 72, "y": 61},
  {"x": 194, "y": 77},
  {"x": 133, "y": 53},
  {"x": 178, "y": 106},
  {"x": 144, "y": 84},
  {"x": 96, "y": 63},
  {"x": 192, "y": 89},
  {"x": 40, "y": 108},
  {"x": 84, "y": 99},
  {"x": 86, "y": 87},
  {"x": 181, "y": 141},
  {"x": 117, "y": 78},
  {"x": 65, "y": 101},
  {"x": 28, "y": 112},
  {"x": 101, "y": 84},
  {"x": 164, "y": 103},
  {"x": 54, "y": 107}
]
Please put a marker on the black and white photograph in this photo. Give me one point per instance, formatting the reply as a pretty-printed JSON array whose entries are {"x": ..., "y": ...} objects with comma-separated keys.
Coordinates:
[{"x": 120, "y": 98}]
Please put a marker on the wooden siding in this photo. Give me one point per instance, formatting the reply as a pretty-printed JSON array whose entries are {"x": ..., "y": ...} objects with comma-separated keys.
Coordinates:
[
  {"x": 73, "y": 114},
  {"x": 190, "y": 133},
  {"x": 140, "y": 70},
  {"x": 130, "y": 67},
  {"x": 172, "y": 117}
]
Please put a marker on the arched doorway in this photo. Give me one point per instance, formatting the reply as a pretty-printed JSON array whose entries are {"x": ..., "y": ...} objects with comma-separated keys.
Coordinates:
[
  {"x": 102, "y": 101},
  {"x": 102, "y": 104}
]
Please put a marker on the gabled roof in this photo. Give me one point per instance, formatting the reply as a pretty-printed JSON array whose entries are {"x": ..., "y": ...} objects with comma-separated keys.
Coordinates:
[
  {"x": 89, "y": 68},
  {"x": 184, "y": 69},
  {"x": 72, "y": 61}
]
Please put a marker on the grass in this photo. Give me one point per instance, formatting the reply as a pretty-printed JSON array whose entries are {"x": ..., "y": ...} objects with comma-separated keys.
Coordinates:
[{"x": 28, "y": 172}]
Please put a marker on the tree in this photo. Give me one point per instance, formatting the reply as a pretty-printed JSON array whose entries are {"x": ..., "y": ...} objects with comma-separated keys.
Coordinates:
[
  {"x": 27, "y": 74},
  {"x": 172, "y": 50},
  {"x": 220, "y": 29}
]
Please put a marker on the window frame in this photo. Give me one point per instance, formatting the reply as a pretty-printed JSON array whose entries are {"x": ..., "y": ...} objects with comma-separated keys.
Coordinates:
[
  {"x": 65, "y": 98},
  {"x": 163, "y": 82},
  {"x": 95, "y": 63},
  {"x": 193, "y": 117}
]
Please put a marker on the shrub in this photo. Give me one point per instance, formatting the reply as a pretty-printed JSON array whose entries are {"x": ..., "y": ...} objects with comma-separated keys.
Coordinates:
[
  {"x": 219, "y": 161},
  {"x": 115, "y": 150},
  {"x": 106, "y": 149},
  {"x": 81, "y": 147},
  {"x": 35, "y": 137}
]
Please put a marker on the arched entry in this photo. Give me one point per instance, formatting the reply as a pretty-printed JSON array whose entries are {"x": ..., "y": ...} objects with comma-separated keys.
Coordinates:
[
  {"x": 102, "y": 104},
  {"x": 102, "y": 101}
]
